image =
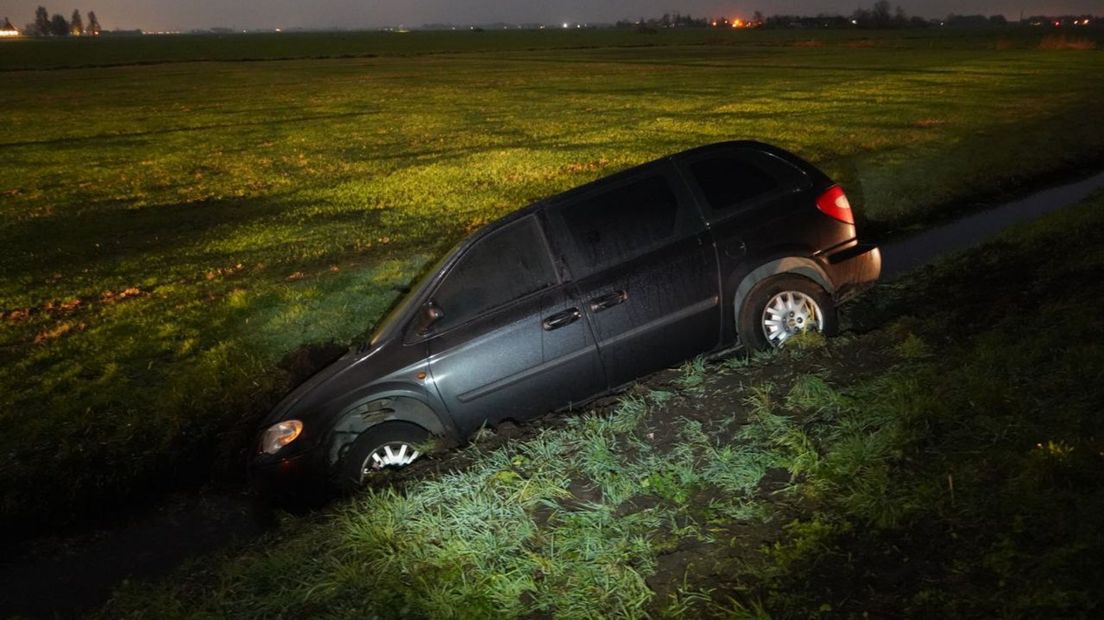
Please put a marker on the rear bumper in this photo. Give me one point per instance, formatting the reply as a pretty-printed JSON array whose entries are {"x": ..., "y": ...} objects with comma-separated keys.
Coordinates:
[{"x": 853, "y": 270}]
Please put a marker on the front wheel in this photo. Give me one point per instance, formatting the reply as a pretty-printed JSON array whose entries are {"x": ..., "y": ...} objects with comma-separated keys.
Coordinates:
[
  {"x": 386, "y": 446},
  {"x": 780, "y": 308}
]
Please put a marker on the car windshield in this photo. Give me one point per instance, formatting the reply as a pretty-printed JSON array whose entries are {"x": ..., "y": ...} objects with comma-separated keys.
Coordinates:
[{"x": 392, "y": 319}]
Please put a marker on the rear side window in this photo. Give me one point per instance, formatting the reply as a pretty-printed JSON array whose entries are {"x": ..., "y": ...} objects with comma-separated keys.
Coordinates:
[
  {"x": 507, "y": 265},
  {"x": 729, "y": 181},
  {"x": 621, "y": 223}
]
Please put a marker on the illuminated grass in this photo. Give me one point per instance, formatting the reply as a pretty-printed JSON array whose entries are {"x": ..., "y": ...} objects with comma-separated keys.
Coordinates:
[
  {"x": 258, "y": 207},
  {"x": 505, "y": 536}
]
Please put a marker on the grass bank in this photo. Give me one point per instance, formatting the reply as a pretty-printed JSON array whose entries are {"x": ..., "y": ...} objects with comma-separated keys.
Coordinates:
[
  {"x": 942, "y": 462},
  {"x": 174, "y": 234}
]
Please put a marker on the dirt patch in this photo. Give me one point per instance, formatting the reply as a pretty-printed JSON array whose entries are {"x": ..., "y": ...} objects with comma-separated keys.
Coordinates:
[
  {"x": 307, "y": 360},
  {"x": 1063, "y": 42},
  {"x": 586, "y": 166},
  {"x": 929, "y": 122},
  {"x": 64, "y": 307}
]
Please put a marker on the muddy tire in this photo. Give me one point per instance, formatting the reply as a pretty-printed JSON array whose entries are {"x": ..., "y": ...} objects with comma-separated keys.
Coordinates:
[
  {"x": 388, "y": 445},
  {"x": 778, "y": 308}
]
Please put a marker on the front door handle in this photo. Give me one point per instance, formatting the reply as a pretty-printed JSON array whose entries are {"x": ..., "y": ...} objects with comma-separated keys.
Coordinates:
[
  {"x": 607, "y": 301},
  {"x": 560, "y": 319}
]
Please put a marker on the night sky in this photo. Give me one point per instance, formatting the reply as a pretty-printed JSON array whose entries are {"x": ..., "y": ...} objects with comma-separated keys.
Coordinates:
[{"x": 187, "y": 14}]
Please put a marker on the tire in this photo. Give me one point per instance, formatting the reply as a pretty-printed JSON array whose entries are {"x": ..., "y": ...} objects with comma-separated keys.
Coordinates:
[
  {"x": 796, "y": 304},
  {"x": 384, "y": 446}
]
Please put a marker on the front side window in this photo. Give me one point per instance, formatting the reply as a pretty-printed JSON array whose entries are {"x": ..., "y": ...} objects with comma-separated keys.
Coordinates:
[
  {"x": 507, "y": 265},
  {"x": 731, "y": 180},
  {"x": 621, "y": 223}
]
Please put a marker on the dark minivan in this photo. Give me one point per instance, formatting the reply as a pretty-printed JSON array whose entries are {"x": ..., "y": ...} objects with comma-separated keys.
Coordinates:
[{"x": 575, "y": 296}]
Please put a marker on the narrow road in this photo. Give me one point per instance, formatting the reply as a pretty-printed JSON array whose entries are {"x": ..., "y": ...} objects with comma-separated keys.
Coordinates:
[{"x": 903, "y": 255}]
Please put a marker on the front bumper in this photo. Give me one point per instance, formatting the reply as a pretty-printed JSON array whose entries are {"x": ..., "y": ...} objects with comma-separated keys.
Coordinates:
[
  {"x": 286, "y": 477},
  {"x": 853, "y": 270}
]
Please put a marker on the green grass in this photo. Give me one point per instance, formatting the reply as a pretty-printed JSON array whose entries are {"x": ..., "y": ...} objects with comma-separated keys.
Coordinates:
[
  {"x": 945, "y": 463},
  {"x": 30, "y": 54},
  {"x": 172, "y": 231},
  {"x": 33, "y": 54},
  {"x": 961, "y": 482},
  {"x": 548, "y": 525}
]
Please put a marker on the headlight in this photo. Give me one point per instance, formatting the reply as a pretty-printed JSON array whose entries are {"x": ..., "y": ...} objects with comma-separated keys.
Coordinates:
[{"x": 279, "y": 435}]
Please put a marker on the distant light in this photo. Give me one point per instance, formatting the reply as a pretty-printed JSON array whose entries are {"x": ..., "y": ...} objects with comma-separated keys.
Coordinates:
[
  {"x": 278, "y": 30},
  {"x": 578, "y": 26},
  {"x": 565, "y": 25},
  {"x": 854, "y": 22}
]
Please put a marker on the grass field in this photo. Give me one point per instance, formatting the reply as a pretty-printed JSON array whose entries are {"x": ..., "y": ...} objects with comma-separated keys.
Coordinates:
[
  {"x": 171, "y": 232},
  {"x": 932, "y": 466},
  {"x": 34, "y": 54}
]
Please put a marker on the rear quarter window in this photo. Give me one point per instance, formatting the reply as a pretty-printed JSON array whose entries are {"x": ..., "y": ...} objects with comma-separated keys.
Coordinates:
[{"x": 734, "y": 180}]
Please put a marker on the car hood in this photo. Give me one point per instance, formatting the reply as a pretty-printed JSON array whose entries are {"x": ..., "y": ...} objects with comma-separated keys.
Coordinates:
[{"x": 291, "y": 405}]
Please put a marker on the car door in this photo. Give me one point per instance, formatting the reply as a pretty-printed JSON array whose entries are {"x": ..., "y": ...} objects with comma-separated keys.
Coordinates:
[
  {"x": 644, "y": 269},
  {"x": 509, "y": 343},
  {"x": 753, "y": 201}
]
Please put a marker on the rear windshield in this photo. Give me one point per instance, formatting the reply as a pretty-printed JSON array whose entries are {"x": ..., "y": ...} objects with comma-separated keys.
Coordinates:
[{"x": 732, "y": 180}]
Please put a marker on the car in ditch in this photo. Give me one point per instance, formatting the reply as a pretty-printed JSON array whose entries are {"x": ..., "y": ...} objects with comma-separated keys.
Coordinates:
[{"x": 575, "y": 296}]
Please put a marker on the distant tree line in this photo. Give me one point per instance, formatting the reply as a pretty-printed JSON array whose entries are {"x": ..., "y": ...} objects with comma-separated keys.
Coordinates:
[
  {"x": 57, "y": 26},
  {"x": 881, "y": 15},
  {"x": 668, "y": 20}
]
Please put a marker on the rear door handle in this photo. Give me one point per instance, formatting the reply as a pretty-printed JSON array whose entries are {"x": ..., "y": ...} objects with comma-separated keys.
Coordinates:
[
  {"x": 607, "y": 301},
  {"x": 738, "y": 251},
  {"x": 560, "y": 319}
]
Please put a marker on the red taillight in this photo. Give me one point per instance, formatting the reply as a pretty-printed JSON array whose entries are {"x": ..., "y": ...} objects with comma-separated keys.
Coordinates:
[{"x": 833, "y": 203}]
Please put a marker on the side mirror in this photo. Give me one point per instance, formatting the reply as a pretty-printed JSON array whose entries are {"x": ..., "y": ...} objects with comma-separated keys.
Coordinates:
[{"x": 429, "y": 315}]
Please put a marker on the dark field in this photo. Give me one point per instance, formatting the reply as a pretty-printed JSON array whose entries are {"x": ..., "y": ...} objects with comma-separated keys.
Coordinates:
[
  {"x": 172, "y": 231},
  {"x": 32, "y": 54}
]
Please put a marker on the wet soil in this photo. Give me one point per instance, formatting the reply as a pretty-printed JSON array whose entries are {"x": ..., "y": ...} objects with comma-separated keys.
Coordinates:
[{"x": 65, "y": 576}]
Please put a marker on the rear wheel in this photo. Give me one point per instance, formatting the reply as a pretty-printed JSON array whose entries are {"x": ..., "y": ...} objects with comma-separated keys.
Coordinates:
[
  {"x": 780, "y": 308},
  {"x": 387, "y": 446}
]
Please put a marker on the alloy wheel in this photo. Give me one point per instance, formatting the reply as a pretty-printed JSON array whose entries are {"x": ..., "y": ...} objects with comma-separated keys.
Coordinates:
[
  {"x": 787, "y": 314},
  {"x": 393, "y": 454}
]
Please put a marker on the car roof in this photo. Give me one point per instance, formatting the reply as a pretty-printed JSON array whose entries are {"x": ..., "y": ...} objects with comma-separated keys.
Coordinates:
[{"x": 537, "y": 206}]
